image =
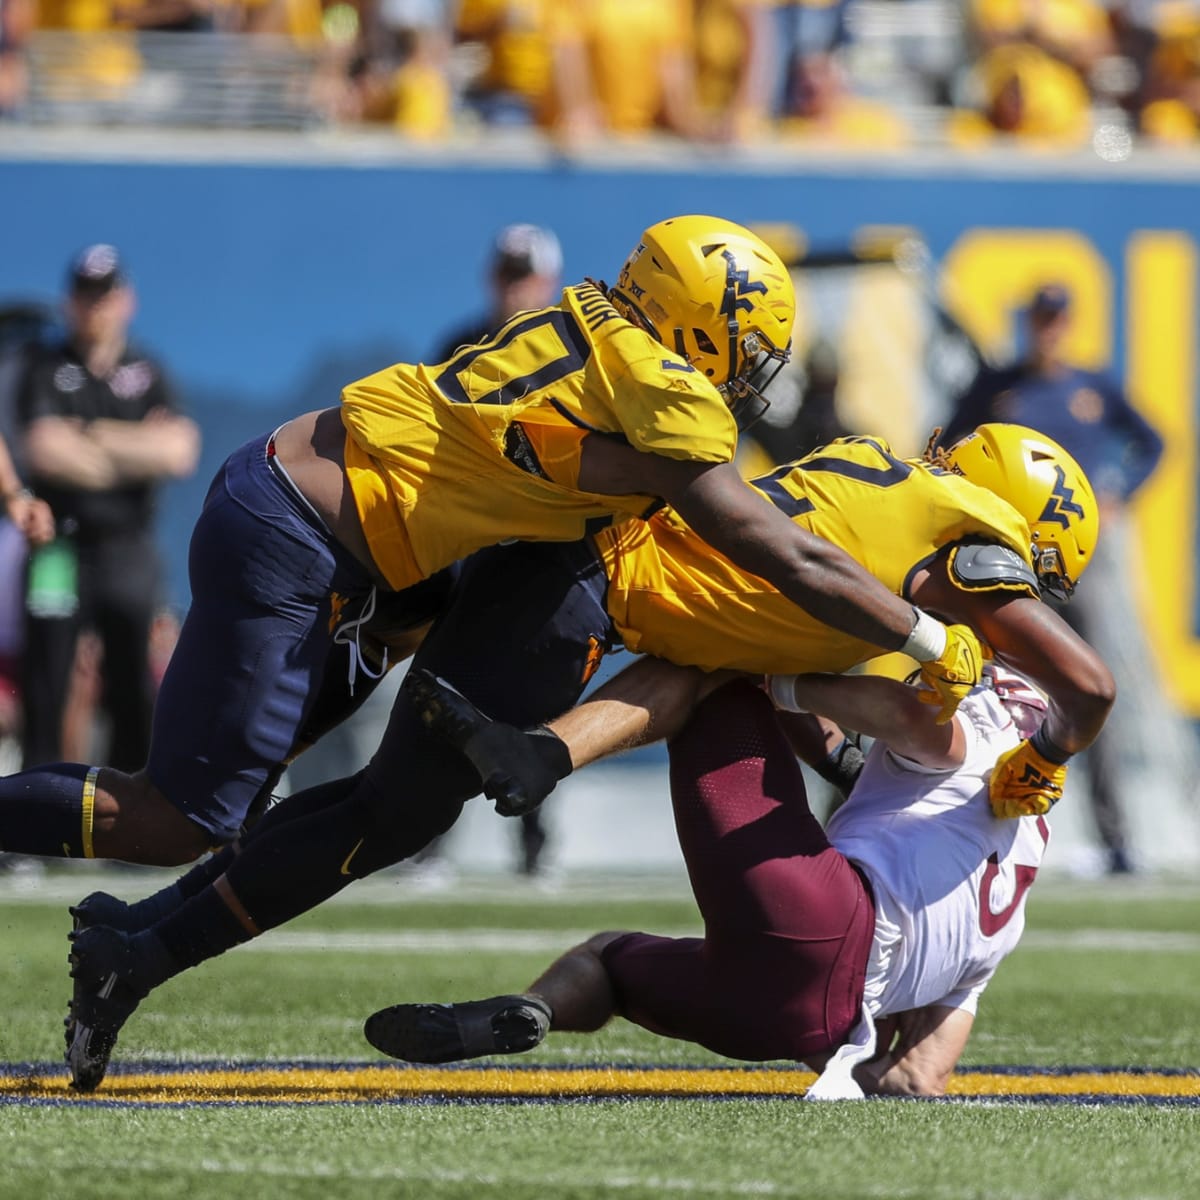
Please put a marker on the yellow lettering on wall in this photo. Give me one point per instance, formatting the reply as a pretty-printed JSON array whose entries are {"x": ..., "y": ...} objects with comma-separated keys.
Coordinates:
[
  {"x": 1161, "y": 320},
  {"x": 989, "y": 276}
]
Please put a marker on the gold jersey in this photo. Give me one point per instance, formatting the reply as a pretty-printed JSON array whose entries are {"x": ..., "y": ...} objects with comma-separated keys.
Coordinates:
[
  {"x": 484, "y": 448},
  {"x": 672, "y": 596}
]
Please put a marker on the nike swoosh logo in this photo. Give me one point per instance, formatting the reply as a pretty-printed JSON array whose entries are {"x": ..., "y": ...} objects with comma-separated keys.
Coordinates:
[{"x": 346, "y": 862}]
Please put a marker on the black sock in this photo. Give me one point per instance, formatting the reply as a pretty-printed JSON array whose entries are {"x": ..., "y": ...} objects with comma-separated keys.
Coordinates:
[
  {"x": 48, "y": 811},
  {"x": 165, "y": 901},
  {"x": 201, "y": 928},
  {"x": 285, "y": 868},
  {"x": 288, "y": 866},
  {"x": 303, "y": 862},
  {"x": 307, "y": 860}
]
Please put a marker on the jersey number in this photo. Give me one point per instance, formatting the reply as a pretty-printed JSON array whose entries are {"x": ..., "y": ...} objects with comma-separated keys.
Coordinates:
[
  {"x": 575, "y": 351},
  {"x": 771, "y": 486},
  {"x": 991, "y": 922}
]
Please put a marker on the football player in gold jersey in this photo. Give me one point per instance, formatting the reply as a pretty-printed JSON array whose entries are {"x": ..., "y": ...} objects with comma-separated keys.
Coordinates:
[{"x": 976, "y": 534}]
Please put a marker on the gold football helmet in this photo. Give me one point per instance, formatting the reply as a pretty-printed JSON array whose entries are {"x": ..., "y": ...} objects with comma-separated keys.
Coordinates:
[
  {"x": 1046, "y": 486},
  {"x": 717, "y": 295}
]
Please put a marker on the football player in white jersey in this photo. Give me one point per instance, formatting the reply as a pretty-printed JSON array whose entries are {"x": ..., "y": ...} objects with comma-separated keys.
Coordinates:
[{"x": 860, "y": 949}]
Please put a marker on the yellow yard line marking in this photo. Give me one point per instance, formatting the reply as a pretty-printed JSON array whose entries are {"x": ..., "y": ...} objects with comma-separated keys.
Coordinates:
[{"x": 317, "y": 1084}]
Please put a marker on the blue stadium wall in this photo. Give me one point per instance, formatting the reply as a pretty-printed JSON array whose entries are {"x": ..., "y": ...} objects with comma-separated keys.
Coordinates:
[{"x": 264, "y": 287}]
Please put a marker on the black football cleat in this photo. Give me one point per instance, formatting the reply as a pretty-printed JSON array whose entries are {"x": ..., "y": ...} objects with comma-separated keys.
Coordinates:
[
  {"x": 443, "y": 1033},
  {"x": 518, "y": 768},
  {"x": 106, "y": 992}
]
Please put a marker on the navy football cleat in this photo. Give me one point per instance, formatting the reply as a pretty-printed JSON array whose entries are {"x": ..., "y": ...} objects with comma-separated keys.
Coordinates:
[{"x": 442, "y": 1033}]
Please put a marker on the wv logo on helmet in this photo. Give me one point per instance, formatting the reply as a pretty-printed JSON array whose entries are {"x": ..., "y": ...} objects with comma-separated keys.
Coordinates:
[
  {"x": 738, "y": 287},
  {"x": 1061, "y": 506}
]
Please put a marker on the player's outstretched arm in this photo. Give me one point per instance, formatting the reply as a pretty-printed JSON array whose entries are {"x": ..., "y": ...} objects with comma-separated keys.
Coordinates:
[
  {"x": 879, "y": 708},
  {"x": 810, "y": 571},
  {"x": 1037, "y": 643},
  {"x": 1034, "y": 640}
]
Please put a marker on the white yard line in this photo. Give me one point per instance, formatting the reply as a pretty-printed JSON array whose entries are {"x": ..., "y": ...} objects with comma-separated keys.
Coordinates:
[{"x": 540, "y": 941}]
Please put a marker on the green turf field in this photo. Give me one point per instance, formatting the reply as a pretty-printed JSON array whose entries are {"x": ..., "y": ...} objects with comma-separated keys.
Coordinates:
[{"x": 1108, "y": 977}]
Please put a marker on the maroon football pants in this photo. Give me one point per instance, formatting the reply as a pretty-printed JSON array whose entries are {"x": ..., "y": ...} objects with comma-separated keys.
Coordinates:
[{"x": 788, "y": 920}]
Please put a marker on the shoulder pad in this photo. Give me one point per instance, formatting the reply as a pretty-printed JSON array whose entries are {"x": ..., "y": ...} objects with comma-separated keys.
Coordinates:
[{"x": 986, "y": 566}]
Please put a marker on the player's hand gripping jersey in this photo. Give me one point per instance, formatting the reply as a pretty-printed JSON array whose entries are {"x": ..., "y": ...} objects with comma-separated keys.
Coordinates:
[
  {"x": 446, "y": 459},
  {"x": 673, "y": 596}
]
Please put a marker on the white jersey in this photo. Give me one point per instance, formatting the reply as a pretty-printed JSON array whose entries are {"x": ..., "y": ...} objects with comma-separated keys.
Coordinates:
[{"x": 949, "y": 878}]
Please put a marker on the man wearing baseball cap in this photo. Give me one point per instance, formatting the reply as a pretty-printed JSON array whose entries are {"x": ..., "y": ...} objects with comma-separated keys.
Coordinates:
[
  {"x": 1088, "y": 414},
  {"x": 524, "y": 271},
  {"x": 102, "y": 430}
]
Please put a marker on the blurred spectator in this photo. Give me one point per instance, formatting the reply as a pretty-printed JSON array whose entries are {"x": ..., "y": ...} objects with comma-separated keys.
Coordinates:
[
  {"x": 102, "y": 59},
  {"x": 774, "y": 66},
  {"x": 383, "y": 62},
  {"x": 524, "y": 271},
  {"x": 1170, "y": 114},
  {"x": 1137, "y": 27},
  {"x": 102, "y": 431},
  {"x": 1075, "y": 32},
  {"x": 624, "y": 68},
  {"x": 1088, "y": 414},
  {"x": 403, "y": 78},
  {"x": 164, "y": 16},
  {"x": 512, "y": 83},
  {"x": 23, "y": 326},
  {"x": 332, "y": 31},
  {"x": 730, "y": 52},
  {"x": 31, "y": 517},
  {"x": 822, "y": 108},
  {"x": 797, "y": 31},
  {"x": 16, "y": 23},
  {"x": 12, "y": 562},
  {"x": 1026, "y": 95}
]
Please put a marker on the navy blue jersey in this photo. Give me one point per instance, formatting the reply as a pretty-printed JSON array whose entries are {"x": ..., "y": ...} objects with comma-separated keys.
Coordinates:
[{"x": 57, "y": 383}]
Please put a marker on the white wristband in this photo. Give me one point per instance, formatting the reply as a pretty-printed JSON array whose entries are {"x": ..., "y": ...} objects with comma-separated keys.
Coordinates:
[
  {"x": 927, "y": 640},
  {"x": 782, "y": 690}
]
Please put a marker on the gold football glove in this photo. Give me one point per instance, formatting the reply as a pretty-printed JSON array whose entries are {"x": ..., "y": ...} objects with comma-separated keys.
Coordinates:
[
  {"x": 1025, "y": 783},
  {"x": 954, "y": 672}
]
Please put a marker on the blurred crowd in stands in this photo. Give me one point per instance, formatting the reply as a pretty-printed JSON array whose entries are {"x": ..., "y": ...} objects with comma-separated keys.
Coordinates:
[{"x": 855, "y": 74}]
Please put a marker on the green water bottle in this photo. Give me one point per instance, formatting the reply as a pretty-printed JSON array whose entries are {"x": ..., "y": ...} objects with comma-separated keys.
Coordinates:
[{"x": 53, "y": 581}]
